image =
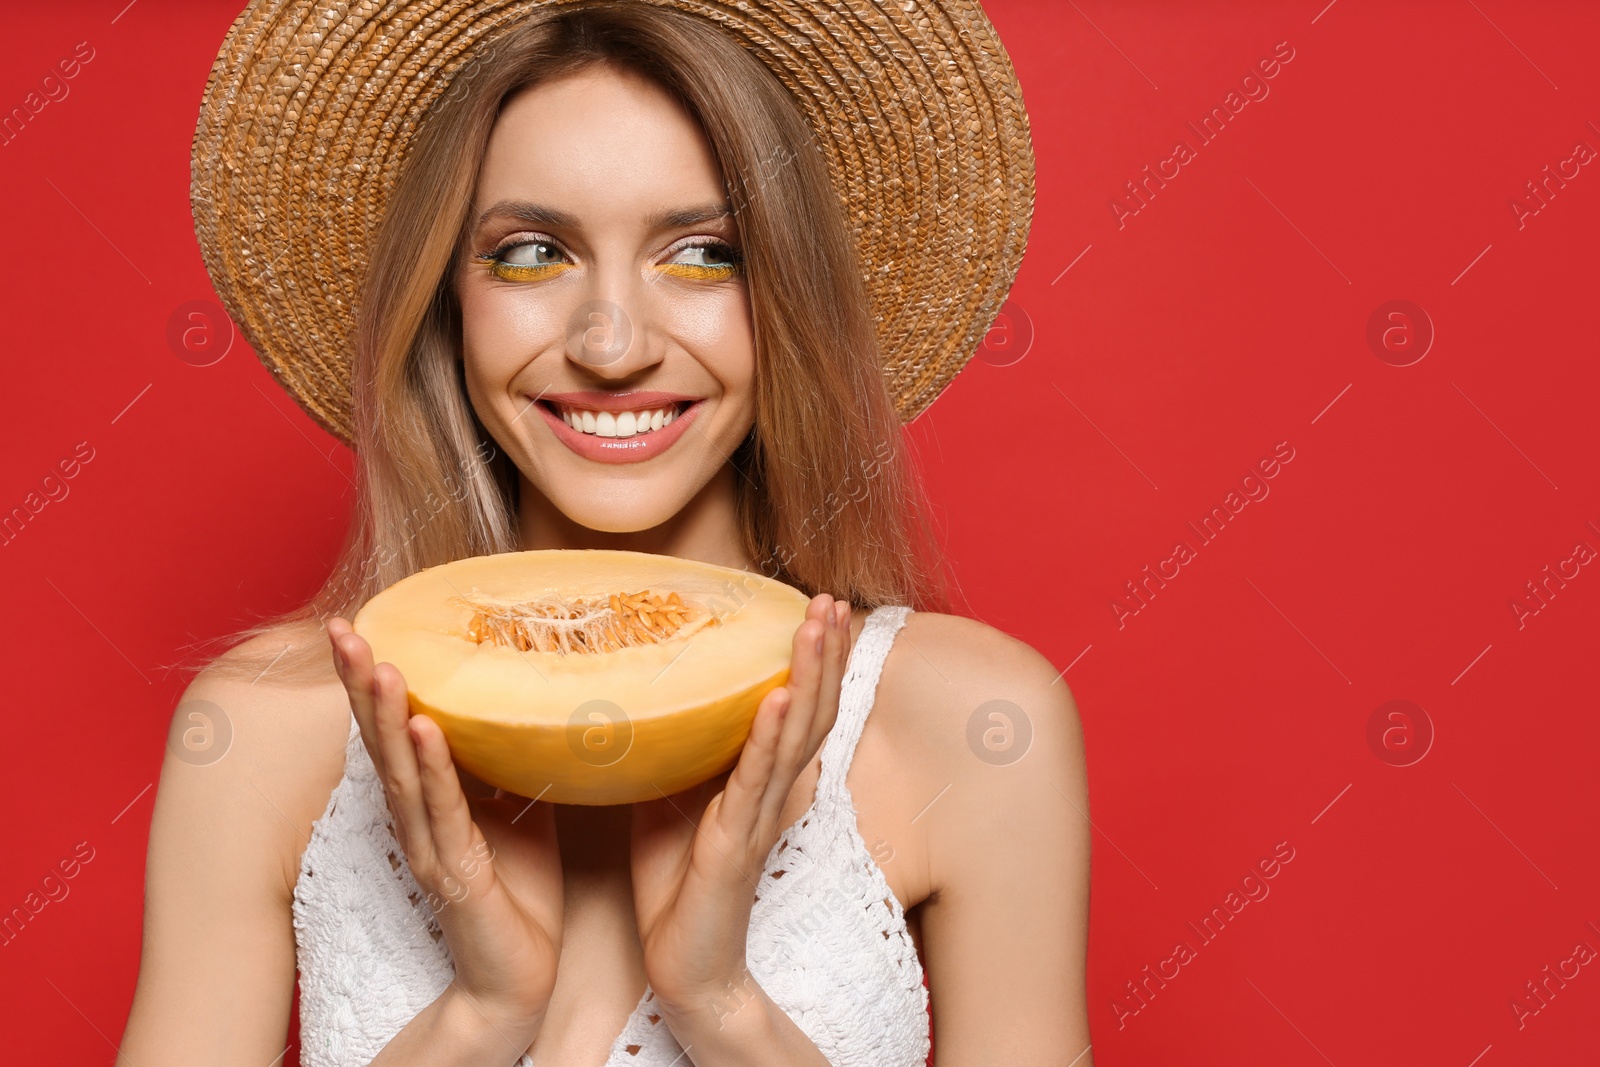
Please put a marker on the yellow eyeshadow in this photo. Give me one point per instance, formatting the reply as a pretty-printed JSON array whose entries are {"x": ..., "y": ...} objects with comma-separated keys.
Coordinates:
[
  {"x": 699, "y": 270},
  {"x": 523, "y": 272}
]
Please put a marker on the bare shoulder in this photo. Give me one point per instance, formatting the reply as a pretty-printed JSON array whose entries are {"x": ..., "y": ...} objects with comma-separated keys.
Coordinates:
[
  {"x": 991, "y": 745},
  {"x": 246, "y": 731},
  {"x": 978, "y": 740},
  {"x": 252, "y": 756},
  {"x": 966, "y": 696}
]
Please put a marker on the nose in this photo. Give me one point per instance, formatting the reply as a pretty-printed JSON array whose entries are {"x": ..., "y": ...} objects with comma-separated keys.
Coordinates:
[{"x": 611, "y": 332}]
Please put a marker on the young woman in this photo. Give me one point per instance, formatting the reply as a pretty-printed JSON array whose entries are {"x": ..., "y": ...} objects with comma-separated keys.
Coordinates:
[{"x": 614, "y": 303}]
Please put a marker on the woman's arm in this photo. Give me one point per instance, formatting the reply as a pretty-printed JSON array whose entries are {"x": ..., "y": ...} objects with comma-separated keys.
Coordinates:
[
  {"x": 217, "y": 965},
  {"x": 1006, "y": 925}
]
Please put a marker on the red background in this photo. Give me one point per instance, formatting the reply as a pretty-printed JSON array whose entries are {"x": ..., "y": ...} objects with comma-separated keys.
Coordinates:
[{"x": 1168, "y": 355}]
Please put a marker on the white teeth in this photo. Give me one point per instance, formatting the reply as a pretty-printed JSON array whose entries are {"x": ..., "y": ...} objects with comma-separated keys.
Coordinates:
[{"x": 619, "y": 424}]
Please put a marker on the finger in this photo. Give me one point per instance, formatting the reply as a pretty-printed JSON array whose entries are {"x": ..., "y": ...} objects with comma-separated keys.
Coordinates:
[
  {"x": 835, "y": 661},
  {"x": 805, "y": 679},
  {"x": 402, "y": 781},
  {"x": 354, "y": 658},
  {"x": 450, "y": 826},
  {"x": 361, "y": 682},
  {"x": 745, "y": 796}
]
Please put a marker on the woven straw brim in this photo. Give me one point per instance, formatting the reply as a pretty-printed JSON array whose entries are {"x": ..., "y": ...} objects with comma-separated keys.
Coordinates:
[{"x": 308, "y": 112}]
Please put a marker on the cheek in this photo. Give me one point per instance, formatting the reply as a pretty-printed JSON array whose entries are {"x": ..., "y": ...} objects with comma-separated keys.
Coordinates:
[
  {"x": 720, "y": 332},
  {"x": 500, "y": 330}
]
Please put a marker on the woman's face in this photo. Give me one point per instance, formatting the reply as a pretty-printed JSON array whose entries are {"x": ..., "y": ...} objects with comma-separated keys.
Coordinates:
[{"x": 607, "y": 344}]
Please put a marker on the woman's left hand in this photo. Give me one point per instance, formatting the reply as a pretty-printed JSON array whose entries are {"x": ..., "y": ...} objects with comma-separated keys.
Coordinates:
[{"x": 697, "y": 862}]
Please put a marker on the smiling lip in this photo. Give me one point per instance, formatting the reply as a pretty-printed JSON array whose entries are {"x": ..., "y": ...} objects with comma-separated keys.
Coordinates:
[
  {"x": 616, "y": 402},
  {"x": 635, "y": 449}
]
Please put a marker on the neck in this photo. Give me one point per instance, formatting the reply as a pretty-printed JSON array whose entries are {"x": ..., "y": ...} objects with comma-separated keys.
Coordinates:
[{"x": 706, "y": 529}]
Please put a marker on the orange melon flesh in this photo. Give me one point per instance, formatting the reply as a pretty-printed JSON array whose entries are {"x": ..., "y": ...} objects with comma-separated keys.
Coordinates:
[{"x": 589, "y": 720}]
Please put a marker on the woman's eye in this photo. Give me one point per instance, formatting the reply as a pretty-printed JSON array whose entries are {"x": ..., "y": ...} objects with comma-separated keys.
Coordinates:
[
  {"x": 531, "y": 254},
  {"x": 713, "y": 260},
  {"x": 525, "y": 261},
  {"x": 534, "y": 260}
]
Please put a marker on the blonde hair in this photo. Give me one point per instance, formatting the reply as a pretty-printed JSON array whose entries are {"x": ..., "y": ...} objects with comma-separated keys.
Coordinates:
[{"x": 827, "y": 498}]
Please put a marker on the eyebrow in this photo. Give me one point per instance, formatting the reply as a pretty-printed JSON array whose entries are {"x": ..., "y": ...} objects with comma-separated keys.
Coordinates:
[{"x": 543, "y": 215}]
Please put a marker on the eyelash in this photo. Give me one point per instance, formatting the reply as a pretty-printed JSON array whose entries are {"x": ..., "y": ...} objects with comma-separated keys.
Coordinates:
[{"x": 525, "y": 272}]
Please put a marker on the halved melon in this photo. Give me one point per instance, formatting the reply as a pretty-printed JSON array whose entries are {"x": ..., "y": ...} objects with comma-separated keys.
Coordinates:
[{"x": 587, "y": 676}]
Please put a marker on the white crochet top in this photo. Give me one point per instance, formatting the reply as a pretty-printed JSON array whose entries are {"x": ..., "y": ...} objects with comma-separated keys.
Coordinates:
[{"x": 827, "y": 940}]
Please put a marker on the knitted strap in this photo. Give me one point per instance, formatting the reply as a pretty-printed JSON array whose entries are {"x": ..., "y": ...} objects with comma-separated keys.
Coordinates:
[{"x": 856, "y": 694}]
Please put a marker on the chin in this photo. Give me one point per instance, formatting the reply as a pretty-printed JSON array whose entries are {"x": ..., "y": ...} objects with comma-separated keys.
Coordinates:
[{"x": 624, "y": 512}]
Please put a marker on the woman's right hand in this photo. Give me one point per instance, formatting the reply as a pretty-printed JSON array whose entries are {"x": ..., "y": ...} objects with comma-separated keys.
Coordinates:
[{"x": 491, "y": 869}]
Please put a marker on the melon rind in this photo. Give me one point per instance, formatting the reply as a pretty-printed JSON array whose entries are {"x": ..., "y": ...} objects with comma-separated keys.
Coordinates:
[{"x": 667, "y": 753}]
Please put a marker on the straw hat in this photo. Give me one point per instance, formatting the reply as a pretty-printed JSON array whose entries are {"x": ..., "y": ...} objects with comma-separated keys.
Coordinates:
[{"x": 310, "y": 105}]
